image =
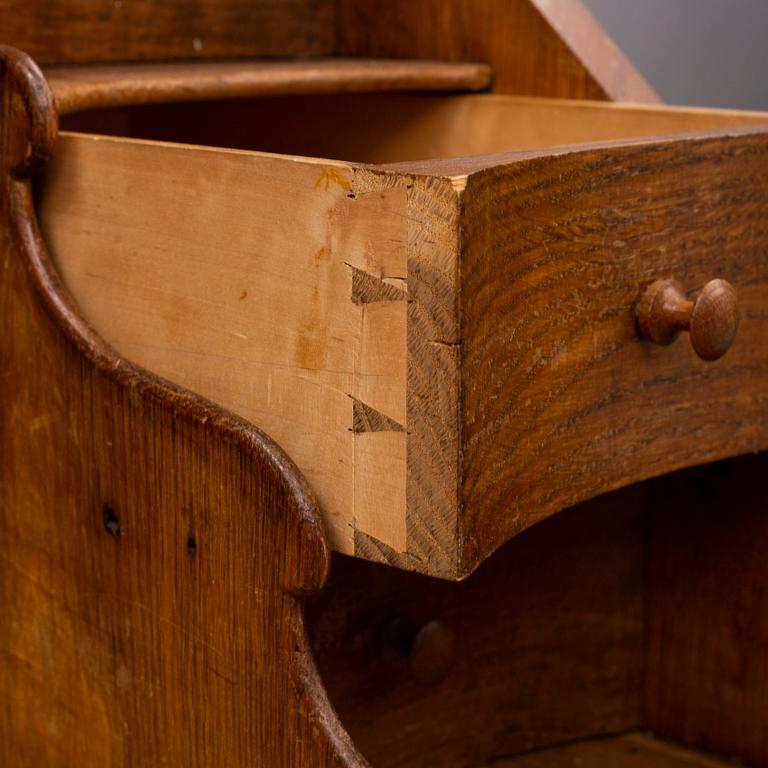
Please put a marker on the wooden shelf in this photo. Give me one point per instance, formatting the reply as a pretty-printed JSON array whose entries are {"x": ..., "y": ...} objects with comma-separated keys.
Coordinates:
[
  {"x": 634, "y": 750},
  {"x": 93, "y": 87}
]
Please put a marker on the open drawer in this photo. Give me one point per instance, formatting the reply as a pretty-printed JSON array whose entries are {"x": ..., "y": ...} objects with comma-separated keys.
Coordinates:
[{"x": 438, "y": 321}]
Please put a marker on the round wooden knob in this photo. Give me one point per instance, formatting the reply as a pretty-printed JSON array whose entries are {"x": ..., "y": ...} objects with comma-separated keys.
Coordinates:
[
  {"x": 711, "y": 316},
  {"x": 432, "y": 653}
]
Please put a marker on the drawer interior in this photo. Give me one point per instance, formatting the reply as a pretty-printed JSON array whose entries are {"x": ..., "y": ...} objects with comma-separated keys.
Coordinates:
[
  {"x": 391, "y": 128},
  {"x": 627, "y": 631}
]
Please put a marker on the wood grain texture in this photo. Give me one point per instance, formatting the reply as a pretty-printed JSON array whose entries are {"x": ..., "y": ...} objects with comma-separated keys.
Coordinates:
[
  {"x": 707, "y": 608},
  {"x": 78, "y": 88},
  {"x": 154, "y": 549},
  {"x": 634, "y": 750},
  {"x": 560, "y": 398},
  {"x": 192, "y": 264},
  {"x": 89, "y": 31},
  {"x": 548, "y": 644},
  {"x": 536, "y": 47}
]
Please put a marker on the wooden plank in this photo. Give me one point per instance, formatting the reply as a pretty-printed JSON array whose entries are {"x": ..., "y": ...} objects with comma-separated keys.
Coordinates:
[
  {"x": 231, "y": 274},
  {"x": 561, "y": 399},
  {"x": 708, "y": 609},
  {"x": 89, "y": 31},
  {"x": 548, "y": 644},
  {"x": 634, "y": 750},
  {"x": 77, "y": 88},
  {"x": 536, "y": 47}
]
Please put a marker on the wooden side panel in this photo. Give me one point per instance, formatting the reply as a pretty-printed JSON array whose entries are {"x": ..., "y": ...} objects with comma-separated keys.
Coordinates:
[
  {"x": 561, "y": 399},
  {"x": 547, "y": 644},
  {"x": 153, "y": 548},
  {"x": 535, "y": 47},
  {"x": 83, "y": 31},
  {"x": 315, "y": 299},
  {"x": 708, "y": 610}
]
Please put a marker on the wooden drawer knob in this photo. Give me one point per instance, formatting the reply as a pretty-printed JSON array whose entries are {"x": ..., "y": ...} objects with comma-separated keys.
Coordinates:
[{"x": 711, "y": 316}]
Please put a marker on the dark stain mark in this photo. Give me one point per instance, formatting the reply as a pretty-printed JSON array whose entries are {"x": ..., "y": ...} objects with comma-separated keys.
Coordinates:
[
  {"x": 243, "y": 295},
  {"x": 111, "y": 523},
  {"x": 367, "y": 419},
  {"x": 367, "y": 288},
  {"x": 191, "y": 545}
]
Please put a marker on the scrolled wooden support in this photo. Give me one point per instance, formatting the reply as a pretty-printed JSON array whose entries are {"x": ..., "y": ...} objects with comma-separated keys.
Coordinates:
[
  {"x": 29, "y": 117},
  {"x": 153, "y": 546},
  {"x": 711, "y": 316}
]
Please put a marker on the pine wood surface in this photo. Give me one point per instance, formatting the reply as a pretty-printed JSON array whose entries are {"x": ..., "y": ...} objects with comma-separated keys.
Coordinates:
[
  {"x": 634, "y": 750},
  {"x": 78, "y": 88},
  {"x": 402, "y": 130},
  {"x": 154, "y": 548}
]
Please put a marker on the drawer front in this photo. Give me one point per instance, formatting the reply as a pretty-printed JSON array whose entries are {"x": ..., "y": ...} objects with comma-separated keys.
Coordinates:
[{"x": 561, "y": 397}]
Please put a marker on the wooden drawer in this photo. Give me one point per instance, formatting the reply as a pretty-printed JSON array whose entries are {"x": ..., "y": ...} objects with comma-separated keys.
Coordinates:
[{"x": 439, "y": 323}]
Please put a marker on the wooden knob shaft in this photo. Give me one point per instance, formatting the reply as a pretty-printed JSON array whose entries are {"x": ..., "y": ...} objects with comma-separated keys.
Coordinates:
[{"x": 710, "y": 316}]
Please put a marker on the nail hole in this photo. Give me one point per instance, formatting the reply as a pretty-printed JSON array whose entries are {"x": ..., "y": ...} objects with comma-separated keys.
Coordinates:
[
  {"x": 111, "y": 523},
  {"x": 191, "y": 545}
]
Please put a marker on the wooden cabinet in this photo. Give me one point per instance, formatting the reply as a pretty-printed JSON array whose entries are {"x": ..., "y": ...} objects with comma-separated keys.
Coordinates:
[{"x": 425, "y": 299}]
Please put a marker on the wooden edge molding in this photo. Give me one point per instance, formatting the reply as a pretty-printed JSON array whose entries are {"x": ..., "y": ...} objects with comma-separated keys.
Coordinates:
[
  {"x": 79, "y": 88},
  {"x": 287, "y": 545}
]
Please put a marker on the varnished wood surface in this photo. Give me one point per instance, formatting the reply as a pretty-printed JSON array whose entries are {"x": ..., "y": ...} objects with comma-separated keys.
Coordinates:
[
  {"x": 707, "y": 610},
  {"x": 78, "y": 88},
  {"x": 536, "y": 47},
  {"x": 90, "y": 31},
  {"x": 561, "y": 398},
  {"x": 153, "y": 548},
  {"x": 548, "y": 644},
  {"x": 635, "y": 750}
]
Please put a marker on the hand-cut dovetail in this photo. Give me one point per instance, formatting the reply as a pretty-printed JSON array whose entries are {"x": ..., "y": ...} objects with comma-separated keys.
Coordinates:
[
  {"x": 367, "y": 419},
  {"x": 367, "y": 288}
]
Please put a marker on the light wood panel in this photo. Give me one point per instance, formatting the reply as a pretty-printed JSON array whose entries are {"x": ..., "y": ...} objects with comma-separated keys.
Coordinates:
[
  {"x": 395, "y": 128},
  {"x": 231, "y": 274}
]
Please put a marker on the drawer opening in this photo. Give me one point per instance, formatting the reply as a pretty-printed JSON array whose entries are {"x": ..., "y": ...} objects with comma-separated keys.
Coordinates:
[
  {"x": 385, "y": 128},
  {"x": 630, "y": 630}
]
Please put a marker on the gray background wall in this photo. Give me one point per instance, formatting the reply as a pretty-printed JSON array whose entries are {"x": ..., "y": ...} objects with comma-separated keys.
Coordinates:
[{"x": 701, "y": 52}]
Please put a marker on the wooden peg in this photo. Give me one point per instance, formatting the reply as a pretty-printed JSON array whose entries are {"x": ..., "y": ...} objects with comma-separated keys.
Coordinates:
[{"x": 710, "y": 316}]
